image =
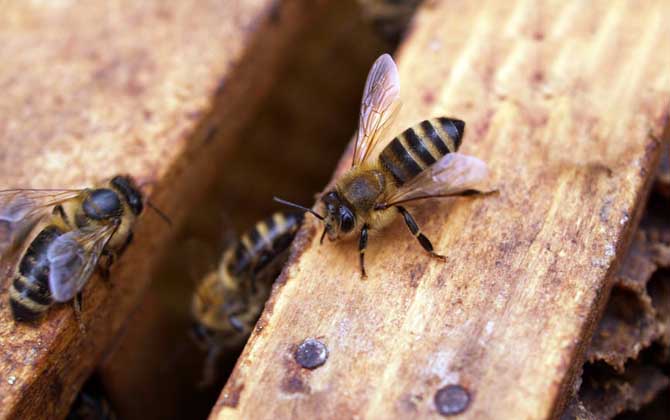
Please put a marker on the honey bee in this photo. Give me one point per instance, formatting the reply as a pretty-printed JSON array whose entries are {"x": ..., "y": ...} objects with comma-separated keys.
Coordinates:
[
  {"x": 69, "y": 233},
  {"x": 420, "y": 163},
  {"x": 229, "y": 300}
]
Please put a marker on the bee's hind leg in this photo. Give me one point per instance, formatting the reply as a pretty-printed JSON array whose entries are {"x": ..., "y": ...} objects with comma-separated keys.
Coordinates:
[
  {"x": 104, "y": 264},
  {"x": 209, "y": 371},
  {"x": 423, "y": 240},
  {"x": 108, "y": 258},
  {"x": 77, "y": 304},
  {"x": 362, "y": 246}
]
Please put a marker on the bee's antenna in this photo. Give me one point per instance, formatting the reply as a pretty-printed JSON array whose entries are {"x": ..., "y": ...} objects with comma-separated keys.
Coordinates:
[
  {"x": 160, "y": 213},
  {"x": 298, "y": 206},
  {"x": 148, "y": 202}
]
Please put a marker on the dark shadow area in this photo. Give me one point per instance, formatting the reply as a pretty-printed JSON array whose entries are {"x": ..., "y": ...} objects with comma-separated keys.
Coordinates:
[{"x": 290, "y": 150}]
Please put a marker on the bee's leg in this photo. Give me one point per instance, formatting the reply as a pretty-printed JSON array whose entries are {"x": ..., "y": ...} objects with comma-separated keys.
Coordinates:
[
  {"x": 128, "y": 241},
  {"x": 77, "y": 304},
  {"x": 423, "y": 240},
  {"x": 362, "y": 245},
  {"x": 209, "y": 371},
  {"x": 105, "y": 263},
  {"x": 471, "y": 193}
]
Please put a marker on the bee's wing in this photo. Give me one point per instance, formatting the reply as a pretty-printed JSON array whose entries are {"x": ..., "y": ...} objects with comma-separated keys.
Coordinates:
[
  {"x": 454, "y": 173},
  {"x": 21, "y": 209},
  {"x": 72, "y": 258},
  {"x": 380, "y": 100}
]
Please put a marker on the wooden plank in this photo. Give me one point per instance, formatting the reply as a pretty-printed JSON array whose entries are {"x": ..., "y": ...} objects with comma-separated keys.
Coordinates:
[
  {"x": 567, "y": 105},
  {"x": 307, "y": 103},
  {"x": 154, "y": 89}
]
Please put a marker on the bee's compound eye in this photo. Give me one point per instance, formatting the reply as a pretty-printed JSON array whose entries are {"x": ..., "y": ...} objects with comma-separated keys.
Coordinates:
[
  {"x": 132, "y": 195},
  {"x": 346, "y": 219},
  {"x": 102, "y": 204}
]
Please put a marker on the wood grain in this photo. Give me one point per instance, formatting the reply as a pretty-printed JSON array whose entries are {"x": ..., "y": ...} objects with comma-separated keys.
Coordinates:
[
  {"x": 567, "y": 104},
  {"x": 316, "y": 98},
  {"x": 154, "y": 89}
]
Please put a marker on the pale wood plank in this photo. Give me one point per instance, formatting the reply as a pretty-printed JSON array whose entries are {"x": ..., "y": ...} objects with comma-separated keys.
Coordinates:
[{"x": 566, "y": 103}]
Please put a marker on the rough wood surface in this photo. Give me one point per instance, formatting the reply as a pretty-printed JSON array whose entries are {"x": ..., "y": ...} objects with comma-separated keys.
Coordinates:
[
  {"x": 155, "y": 89},
  {"x": 568, "y": 104},
  {"x": 316, "y": 97},
  {"x": 626, "y": 363}
]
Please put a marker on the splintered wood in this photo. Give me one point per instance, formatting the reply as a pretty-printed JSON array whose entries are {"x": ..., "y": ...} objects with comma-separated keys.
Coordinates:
[
  {"x": 624, "y": 368},
  {"x": 154, "y": 89},
  {"x": 567, "y": 103}
]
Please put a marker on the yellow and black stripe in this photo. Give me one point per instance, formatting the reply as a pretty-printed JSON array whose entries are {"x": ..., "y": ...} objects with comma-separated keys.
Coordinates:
[
  {"x": 420, "y": 146},
  {"x": 261, "y": 244},
  {"x": 29, "y": 294}
]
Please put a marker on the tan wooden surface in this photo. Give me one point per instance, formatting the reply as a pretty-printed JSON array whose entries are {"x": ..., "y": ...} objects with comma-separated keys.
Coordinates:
[
  {"x": 567, "y": 103},
  {"x": 315, "y": 98},
  {"x": 155, "y": 89}
]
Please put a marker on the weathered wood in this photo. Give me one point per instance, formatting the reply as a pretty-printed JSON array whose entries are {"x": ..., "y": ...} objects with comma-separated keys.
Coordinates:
[
  {"x": 306, "y": 103},
  {"x": 155, "y": 89},
  {"x": 624, "y": 368},
  {"x": 567, "y": 103}
]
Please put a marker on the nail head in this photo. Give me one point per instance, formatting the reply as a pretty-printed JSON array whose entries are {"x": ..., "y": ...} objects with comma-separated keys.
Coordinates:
[
  {"x": 311, "y": 353},
  {"x": 451, "y": 400}
]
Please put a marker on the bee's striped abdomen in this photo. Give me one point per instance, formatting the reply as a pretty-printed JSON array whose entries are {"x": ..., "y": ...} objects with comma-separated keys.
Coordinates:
[
  {"x": 420, "y": 146},
  {"x": 29, "y": 294},
  {"x": 267, "y": 239}
]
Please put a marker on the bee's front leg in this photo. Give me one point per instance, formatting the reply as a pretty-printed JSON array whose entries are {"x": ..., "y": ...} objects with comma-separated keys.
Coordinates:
[
  {"x": 209, "y": 370},
  {"x": 414, "y": 228},
  {"x": 77, "y": 304},
  {"x": 105, "y": 263},
  {"x": 362, "y": 245}
]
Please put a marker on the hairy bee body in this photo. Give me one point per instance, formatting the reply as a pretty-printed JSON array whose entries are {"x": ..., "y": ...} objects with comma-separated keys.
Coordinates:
[
  {"x": 364, "y": 187},
  {"x": 29, "y": 294},
  {"x": 116, "y": 203},
  {"x": 229, "y": 300},
  {"x": 419, "y": 147},
  {"x": 420, "y": 163}
]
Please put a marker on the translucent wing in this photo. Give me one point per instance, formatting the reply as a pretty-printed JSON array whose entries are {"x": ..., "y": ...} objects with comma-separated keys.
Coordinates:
[
  {"x": 380, "y": 100},
  {"x": 452, "y": 174},
  {"x": 72, "y": 258},
  {"x": 21, "y": 209}
]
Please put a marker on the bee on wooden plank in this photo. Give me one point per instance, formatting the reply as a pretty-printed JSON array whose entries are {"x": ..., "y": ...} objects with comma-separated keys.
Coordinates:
[
  {"x": 420, "y": 163},
  {"x": 229, "y": 300},
  {"x": 61, "y": 236}
]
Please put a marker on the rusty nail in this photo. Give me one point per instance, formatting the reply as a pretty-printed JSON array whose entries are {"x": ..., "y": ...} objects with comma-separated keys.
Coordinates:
[
  {"x": 311, "y": 353},
  {"x": 451, "y": 400}
]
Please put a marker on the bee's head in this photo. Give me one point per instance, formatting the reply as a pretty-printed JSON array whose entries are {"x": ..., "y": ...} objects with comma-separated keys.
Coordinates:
[
  {"x": 130, "y": 192},
  {"x": 339, "y": 218}
]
